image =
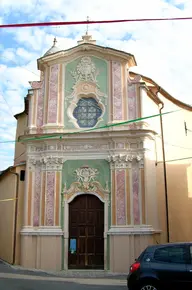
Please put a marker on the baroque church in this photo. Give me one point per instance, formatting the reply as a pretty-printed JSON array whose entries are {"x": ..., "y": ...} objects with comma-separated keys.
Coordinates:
[{"x": 91, "y": 191}]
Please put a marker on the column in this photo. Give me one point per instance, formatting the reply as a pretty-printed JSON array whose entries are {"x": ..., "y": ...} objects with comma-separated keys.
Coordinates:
[
  {"x": 128, "y": 190},
  {"x": 120, "y": 191},
  {"x": 41, "y": 242}
]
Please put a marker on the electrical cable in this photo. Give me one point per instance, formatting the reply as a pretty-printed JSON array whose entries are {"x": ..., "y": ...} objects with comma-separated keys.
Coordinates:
[
  {"x": 61, "y": 23},
  {"x": 60, "y": 136}
]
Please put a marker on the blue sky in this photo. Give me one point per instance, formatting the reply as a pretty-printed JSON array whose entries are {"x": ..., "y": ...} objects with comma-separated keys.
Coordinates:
[{"x": 162, "y": 50}]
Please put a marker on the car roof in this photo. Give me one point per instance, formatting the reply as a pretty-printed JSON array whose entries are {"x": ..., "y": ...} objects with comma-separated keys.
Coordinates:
[{"x": 169, "y": 244}]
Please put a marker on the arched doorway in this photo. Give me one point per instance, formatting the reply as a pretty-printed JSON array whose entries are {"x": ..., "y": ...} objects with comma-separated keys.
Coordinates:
[{"x": 86, "y": 233}]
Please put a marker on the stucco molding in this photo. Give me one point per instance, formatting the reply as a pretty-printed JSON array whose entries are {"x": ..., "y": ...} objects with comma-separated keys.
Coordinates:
[
  {"x": 42, "y": 231},
  {"x": 85, "y": 85},
  {"x": 90, "y": 49},
  {"x": 133, "y": 230},
  {"x": 46, "y": 162},
  {"x": 123, "y": 144}
]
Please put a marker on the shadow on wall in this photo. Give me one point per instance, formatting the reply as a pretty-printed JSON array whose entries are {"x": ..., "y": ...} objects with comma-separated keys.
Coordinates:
[{"x": 179, "y": 183}]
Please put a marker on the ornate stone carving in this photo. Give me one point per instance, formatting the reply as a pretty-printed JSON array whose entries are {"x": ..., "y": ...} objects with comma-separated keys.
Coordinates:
[
  {"x": 47, "y": 162},
  {"x": 85, "y": 177},
  {"x": 122, "y": 161},
  {"x": 85, "y": 84},
  {"x": 86, "y": 174},
  {"x": 85, "y": 71},
  {"x": 94, "y": 186},
  {"x": 82, "y": 147}
]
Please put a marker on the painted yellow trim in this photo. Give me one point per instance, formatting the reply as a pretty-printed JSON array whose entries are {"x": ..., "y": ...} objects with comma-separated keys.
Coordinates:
[{"x": 8, "y": 199}]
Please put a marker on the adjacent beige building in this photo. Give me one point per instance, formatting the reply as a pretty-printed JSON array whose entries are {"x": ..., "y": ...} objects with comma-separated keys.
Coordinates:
[{"x": 108, "y": 164}]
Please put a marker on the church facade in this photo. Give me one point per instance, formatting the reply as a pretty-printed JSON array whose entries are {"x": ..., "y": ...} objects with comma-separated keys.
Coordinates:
[{"x": 91, "y": 196}]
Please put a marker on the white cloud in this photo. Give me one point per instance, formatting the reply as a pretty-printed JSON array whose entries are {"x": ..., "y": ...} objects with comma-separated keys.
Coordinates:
[{"x": 162, "y": 49}]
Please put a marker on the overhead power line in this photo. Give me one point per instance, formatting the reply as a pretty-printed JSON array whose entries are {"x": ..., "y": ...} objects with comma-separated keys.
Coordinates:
[{"x": 60, "y": 23}]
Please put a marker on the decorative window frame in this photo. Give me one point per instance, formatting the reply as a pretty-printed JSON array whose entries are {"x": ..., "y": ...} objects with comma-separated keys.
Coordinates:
[{"x": 73, "y": 105}]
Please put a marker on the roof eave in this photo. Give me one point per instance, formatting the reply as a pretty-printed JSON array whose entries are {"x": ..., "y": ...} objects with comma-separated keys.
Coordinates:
[{"x": 165, "y": 93}]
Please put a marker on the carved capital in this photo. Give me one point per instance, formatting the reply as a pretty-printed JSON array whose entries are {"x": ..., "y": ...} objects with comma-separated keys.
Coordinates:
[
  {"x": 47, "y": 162},
  {"x": 123, "y": 161}
]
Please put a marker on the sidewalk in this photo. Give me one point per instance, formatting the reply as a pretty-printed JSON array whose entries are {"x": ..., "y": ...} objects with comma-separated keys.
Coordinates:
[
  {"x": 77, "y": 273},
  {"x": 94, "y": 277},
  {"x": 85, "y": 281}
]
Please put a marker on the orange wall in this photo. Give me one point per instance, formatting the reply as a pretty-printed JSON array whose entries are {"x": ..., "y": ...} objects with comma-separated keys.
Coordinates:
[
  {"x": 178, "y": 153},
  {"x": 7, "y": 214}
]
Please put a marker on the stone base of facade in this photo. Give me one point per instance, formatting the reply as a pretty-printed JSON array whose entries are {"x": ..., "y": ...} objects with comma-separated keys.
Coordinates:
[
  {"x": 42, "y": 248},
  {"x": 125, "y": 248}
]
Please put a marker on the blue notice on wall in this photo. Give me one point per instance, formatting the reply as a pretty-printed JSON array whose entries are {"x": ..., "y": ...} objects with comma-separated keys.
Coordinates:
[{"x": 73, "y": 246}]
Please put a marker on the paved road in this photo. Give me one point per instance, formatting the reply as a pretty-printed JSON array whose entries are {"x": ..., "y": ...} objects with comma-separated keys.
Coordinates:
[
  {"x": 14, "y": 284},
  {"x": 16, "y": 279}
]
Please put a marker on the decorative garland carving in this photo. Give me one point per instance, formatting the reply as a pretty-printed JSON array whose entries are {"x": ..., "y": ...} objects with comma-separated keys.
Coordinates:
[{"x": 86, "y": 182}]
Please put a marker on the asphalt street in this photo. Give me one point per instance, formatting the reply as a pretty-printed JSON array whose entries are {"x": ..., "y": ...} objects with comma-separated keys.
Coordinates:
[
  {"x": 15, "y": 284},
  {"x": 16, "y": 279}
]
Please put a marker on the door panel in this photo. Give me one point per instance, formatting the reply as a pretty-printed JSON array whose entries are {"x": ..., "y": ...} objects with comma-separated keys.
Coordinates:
[
  {"x": 170, "y": 265},
  {"x": 86, "y": 226}
]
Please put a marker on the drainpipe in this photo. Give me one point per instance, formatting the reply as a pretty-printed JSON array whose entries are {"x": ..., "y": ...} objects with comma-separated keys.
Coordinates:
[
  {"x": 16, "y": 214},
  {"x": 165, "y": 172}
]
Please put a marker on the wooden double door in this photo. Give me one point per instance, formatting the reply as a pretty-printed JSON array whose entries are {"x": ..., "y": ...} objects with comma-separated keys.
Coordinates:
[{"x": 86, "y": 233}]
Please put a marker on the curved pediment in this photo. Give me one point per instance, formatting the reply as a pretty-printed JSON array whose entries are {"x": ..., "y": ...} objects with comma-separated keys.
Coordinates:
[{"x": 100, "y": 51}]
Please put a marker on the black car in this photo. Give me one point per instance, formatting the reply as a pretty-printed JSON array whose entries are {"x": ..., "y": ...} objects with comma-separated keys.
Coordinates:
[{"x": 167, "y": 266}]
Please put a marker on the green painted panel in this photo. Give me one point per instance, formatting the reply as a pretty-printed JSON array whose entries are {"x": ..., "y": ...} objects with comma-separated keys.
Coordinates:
[
  {"x": 101, "y": 80},
  {"x": 101, "y": 165}
]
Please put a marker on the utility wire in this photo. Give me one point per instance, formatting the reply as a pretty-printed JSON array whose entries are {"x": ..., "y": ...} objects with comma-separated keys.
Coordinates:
[
  {"x": 59, "y": 23},
  {"x": 10, "y": 109}
]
